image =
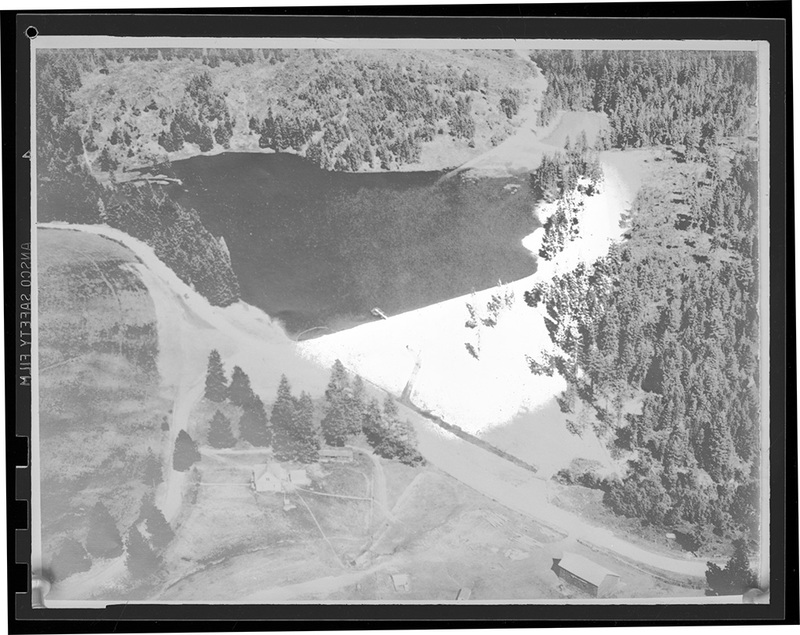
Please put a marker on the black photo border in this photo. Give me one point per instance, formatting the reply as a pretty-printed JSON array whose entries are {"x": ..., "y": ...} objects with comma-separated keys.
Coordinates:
[{"x": 768, "y": 21}]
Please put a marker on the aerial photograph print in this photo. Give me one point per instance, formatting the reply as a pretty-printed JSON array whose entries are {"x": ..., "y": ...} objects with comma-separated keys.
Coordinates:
[{"x": 361, "y": 321}]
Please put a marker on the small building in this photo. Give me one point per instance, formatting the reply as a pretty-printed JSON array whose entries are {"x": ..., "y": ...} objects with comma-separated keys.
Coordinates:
[
  {"x": 588, "y": 576},
  {"x": 464, "y": 594},
  {"x": 336, "y": 455},
  {"x": 279, "y": 472},
  {"x": 299, "y": 478},
  {"x": 401, "y": 582},
  {"x": 264, "y": 480}
]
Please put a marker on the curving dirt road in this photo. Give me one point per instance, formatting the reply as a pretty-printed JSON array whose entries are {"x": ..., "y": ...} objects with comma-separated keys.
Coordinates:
[
  {"x": 379, "y": 483},
  {"x": 517, "y": 489}
]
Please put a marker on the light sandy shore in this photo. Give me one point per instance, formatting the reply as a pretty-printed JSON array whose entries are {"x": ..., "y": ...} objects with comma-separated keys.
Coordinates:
[{"x": 427, "y": 346}]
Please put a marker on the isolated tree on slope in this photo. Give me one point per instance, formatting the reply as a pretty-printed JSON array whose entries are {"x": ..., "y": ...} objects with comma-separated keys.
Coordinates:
[
  {"x": 216, "y": 384},
  {"x": 240, "y": 393},
  {"x": 186, "y": 452},
  {"x": 219, "y": 432},
  {"x": 103, "y": 539},
  {"x": 141, "y": 560},
  {"x": 161, "y": 533},
  {"x": 253, "y": 424}
]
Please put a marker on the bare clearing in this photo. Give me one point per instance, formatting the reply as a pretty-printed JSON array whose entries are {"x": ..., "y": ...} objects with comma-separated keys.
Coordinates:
[{"x": 98, "y": 346}]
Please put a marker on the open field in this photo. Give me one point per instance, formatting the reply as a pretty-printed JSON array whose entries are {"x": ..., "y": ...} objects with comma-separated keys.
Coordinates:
[
  {"x": 100, "y": 407},
  {"x": 236, "y": 545}
]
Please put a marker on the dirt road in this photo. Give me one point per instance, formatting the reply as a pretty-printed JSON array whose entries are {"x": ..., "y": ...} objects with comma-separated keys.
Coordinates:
[
  {"x": 177, "y": 368},
  {"x": 518, "y": 489},
  {"x": 379, "y": 483}
]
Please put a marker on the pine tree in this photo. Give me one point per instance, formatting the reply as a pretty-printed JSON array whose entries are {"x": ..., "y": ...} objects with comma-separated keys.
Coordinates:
[
  {"x": 240, "y": 393},
  {"x": 205, "y": 140},
  {"x": 336, "y": 424},
  {"x": 718, "y": 451},
  {"x": 141, "y": 560},
  {"x": 372, "y": 423},
  {"x": 158, "y": 528},
  {"x": 390, "y": 437},
  {"x": 103, "y": 539},
  {"x": 106, "y": 161},
  {"x": 178, "y": 134},
  {"x": 736, "y": 577},
  {"x": 399, "y": 438},
  {"x": 71, "y": 558},
  {"x": 358, "y": 392},
  {"x": 404, "y": 443},
  {"x": 254, "y": 426},
  {"x": 224, "y": 130},
  {"x": 344, "y": 409},
  {"x": 305, "y": 431},
  {"x": 186, "y": 452},
  {"x": 165, "y": 140},
  {"x": 282, "y": 419},
  {"x": 153, "y": 473},
  {"x": 219, "y": 432},
  {"x": 216, "y": 384},
  {"x": 354, "y": 405},
  {"x": 691, "y": 142}
]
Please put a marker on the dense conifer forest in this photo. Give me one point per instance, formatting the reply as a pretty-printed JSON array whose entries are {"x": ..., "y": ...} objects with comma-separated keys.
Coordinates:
[
  {"x": 343, "y": 110},
  {"x": 660, "y": 338},
  {"x": 654, "y": 97},
  {"x": 69, "y": 191}
]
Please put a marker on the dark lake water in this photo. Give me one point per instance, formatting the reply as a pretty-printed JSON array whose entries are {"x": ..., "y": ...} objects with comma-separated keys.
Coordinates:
[{"x": 321, "y": 249}]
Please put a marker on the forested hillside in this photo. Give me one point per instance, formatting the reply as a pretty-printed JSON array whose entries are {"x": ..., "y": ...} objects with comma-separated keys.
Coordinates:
[
  {"x": 344, "y": 110},
  {"x": 661, "y": 337},
  {"x": 103, "y": 111},
  {"x": 68, "y": 190},
  {"x": 655, "y": 97}
]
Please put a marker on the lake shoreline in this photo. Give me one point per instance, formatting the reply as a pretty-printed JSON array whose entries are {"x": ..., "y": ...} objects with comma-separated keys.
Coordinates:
[{"x": 319, "y": 250}]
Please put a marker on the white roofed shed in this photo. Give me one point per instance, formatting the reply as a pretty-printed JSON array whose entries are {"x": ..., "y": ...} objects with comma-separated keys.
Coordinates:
[{"x": 588, "y": 576}]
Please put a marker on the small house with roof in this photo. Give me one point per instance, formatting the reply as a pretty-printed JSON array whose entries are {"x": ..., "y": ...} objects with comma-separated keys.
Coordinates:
[
  {"x": 588, "y": 576},
  {"x": 265, "y": 480}
]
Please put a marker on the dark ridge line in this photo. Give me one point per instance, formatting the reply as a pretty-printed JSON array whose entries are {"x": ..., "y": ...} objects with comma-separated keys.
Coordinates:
[{"x": 471, "y": 438}]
